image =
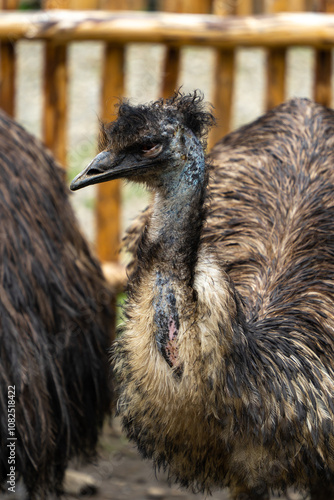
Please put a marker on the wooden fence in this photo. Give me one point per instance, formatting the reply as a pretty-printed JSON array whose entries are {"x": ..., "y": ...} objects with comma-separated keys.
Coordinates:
[{"x": 274, "y": 32}]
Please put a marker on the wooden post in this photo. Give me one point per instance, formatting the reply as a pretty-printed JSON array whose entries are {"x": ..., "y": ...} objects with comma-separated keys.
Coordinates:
[
  {"x": 276, "y": 66},
  {"x": 196, "y": 6},
  {"x": 108, "y": 203},
  {"x": 55, "y": 4},
  {"x": 273, "y": 6},
  {"x": 172, "y": 61},
  {"x": 83, "y": 4},
  {"x": 244, "y": 7},
  {"x": 322, "y": 92},
  {"x": 223, "y": 94},
  {"x": 298, "y": 6},
  {"x": 123, "y": 5},
  {"x": 7, "y": 77},
  {"x": 109, "y": 197},
  {"x": 8, "y": 4},
  {"x": 170, "y": 6},
  {"x": 276, "y": 61},
  {"x": 55, "y": 100},
  {"x": 7, "y": 66},
  {"x": 329, "y": 6},
  {"x": 322, "y": 82},
  {"x": 170, "y": 71}
]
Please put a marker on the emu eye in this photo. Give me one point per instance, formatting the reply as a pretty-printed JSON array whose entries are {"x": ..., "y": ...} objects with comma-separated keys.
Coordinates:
[{"x": 151, "y": 150}]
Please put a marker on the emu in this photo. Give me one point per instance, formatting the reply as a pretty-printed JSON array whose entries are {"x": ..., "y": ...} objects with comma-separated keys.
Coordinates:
[
  {"x": 55, "y": 322},
  {"x": 225, "y": 364}
]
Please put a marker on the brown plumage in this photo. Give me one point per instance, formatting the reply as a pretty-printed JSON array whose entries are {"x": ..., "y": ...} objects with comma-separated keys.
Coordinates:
[
  {"x": 226, "y": 359},
  {"x": 55, "y": 321}
]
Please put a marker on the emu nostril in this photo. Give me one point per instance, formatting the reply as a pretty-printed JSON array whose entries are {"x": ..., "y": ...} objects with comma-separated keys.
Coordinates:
[{"x": 95, "y": 171}]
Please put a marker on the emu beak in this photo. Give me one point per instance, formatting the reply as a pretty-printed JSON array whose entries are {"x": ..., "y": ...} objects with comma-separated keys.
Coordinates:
[
  {"x": 99, "y": 170},
  {"x": 106, "y": 166}
]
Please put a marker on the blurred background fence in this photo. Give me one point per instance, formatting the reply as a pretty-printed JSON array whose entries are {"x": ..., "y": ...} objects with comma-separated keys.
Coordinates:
[{"x": 274, "y": 25}]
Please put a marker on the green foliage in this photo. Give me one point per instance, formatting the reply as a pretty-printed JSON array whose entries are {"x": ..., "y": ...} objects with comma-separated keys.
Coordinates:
[
  {"x": 121, "y": 298},
  {"x": 79, "y": 157}
]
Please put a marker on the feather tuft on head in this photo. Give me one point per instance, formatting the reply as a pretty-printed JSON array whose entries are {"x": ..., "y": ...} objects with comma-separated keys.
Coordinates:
[{"x": 150, "y": 120}]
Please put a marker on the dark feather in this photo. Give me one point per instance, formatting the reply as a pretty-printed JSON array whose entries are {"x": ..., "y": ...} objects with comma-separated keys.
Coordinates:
[{"x": 55, "y": 318}]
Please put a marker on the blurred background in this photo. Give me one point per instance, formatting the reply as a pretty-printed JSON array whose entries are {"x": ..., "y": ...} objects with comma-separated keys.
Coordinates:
[{"x": 58, "y": 92}]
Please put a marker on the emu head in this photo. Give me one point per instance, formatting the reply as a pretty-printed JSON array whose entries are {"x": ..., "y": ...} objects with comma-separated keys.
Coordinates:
[{"x": 147, "y": 143}]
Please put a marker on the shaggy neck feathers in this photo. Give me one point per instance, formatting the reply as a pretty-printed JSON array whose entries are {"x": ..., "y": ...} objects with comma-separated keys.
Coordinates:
[
  {"x": 178, "y": 214},
  {"x": 173, "y": 241}
]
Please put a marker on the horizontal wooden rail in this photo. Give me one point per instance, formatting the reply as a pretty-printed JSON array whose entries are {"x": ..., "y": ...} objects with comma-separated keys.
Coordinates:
[{"x": 277, "y": 30}]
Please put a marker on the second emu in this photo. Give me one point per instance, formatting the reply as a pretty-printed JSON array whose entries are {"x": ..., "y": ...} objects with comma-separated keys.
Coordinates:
[
  {"x": 226, "y": 360},
  {"x": 55, "y": 323}
]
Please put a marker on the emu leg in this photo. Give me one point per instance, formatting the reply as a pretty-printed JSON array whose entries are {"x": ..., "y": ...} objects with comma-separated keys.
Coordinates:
[{"x": 322, "y": 491}]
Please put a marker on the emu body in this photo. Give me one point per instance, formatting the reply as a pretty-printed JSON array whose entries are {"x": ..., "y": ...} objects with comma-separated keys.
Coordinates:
[
  {"x": 55, "y": 320},
  {"x": 226, "y": 359}
]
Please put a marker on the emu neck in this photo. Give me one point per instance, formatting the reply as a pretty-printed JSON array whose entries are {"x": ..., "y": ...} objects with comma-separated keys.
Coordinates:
[
  {"x": 178, "y": 214},
  {"x": 173, "y": 240}
]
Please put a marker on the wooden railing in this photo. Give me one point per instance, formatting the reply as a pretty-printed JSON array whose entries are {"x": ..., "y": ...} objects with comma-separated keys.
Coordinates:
[{"x": 274, "y": 32}]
